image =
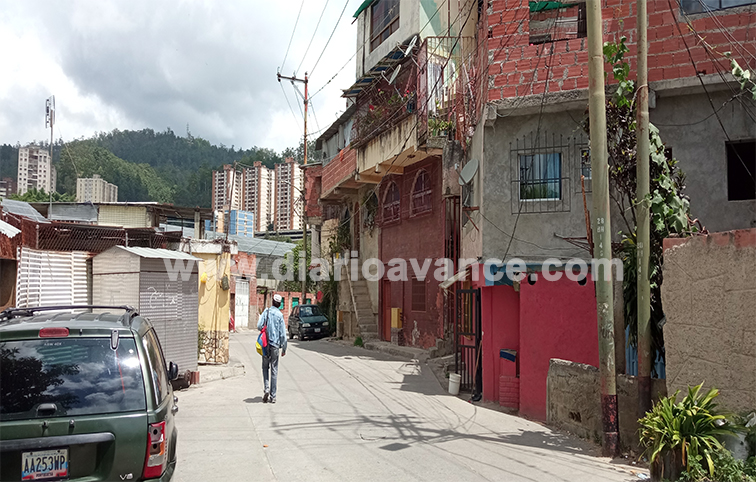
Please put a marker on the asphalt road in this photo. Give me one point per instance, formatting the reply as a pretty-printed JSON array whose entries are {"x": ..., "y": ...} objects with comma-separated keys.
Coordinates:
[{"x": 345, "y": 413}]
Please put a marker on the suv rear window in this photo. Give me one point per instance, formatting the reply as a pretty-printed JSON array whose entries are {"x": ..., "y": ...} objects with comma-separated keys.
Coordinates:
[
  {"x": 81, "y": 376},
  {"x": 310, "y": 311}
]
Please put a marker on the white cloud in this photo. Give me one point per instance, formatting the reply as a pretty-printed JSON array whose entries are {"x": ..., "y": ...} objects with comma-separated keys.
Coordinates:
[{"x": 138, "y": 64}]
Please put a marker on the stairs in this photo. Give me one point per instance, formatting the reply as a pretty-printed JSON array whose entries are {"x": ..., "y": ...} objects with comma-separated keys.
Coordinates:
[{"x": 363, "y": 307}]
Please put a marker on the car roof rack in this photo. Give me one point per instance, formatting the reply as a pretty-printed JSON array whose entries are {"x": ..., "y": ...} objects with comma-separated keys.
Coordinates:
[{"x": 11, "y": 313}]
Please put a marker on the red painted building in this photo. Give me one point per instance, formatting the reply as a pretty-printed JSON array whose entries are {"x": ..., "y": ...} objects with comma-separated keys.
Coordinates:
[{"x": 412, "y": 223}]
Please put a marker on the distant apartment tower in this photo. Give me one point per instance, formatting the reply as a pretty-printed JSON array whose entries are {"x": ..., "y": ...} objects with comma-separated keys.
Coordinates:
[
  {"x": 95, "y": 190},
  {"x": 288, "y": 186},
  {"x": 7, "y": 187},
  {"x": 35, "y": 170},
  {"x": 258, "y": 194},
  {"x": 227, "y": 189}
]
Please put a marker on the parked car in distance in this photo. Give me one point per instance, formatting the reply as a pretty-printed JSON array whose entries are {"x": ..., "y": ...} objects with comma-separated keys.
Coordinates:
[
  {"x": 85, "y": 396},
  {"x": 307, "y": 321}
]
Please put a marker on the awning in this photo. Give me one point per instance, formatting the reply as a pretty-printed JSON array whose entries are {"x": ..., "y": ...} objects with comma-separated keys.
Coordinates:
[
  {"x": 8, "y": 230},
  {"x": 391, "y": 59},
  {"x": 363, "y": 6},
  {"x": 548, "y": 5}
]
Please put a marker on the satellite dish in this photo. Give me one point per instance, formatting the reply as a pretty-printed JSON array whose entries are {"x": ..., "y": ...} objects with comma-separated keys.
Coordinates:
[
  {"x": 468, "y": 172},
  {"x": 393, "y": 76},
  {"x": 410, "y": 46}
]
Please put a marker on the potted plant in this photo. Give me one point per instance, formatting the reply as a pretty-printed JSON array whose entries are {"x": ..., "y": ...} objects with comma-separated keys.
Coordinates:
[{"x": 678, "y": 433}]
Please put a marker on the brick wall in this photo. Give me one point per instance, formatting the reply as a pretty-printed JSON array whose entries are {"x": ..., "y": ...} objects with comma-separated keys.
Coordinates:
[
  {"x": 313, "y": 187},
  {"x": 517, "y": 68},
  {"x": 340, "y": 168}
]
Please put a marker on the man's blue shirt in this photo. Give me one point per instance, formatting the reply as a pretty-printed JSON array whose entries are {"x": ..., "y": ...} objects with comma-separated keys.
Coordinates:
[{"x": 276, "y": 327}]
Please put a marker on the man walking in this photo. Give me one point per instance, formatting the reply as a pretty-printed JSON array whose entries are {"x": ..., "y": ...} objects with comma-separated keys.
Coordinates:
[{"x": 273, "y": 320}]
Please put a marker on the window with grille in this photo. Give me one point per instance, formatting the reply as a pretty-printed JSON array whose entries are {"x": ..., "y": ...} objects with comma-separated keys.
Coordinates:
[
  {"x": 391, "y": 204},
  {"x": 541, "y": 176},
  {"x": 421, "y": 201},
  {"x": 418, "y": 294},
  {"x": 384, "y": 20}
]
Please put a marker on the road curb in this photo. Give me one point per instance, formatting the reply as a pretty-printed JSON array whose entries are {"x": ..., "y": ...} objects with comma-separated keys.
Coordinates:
[{"x": 211, "y": 373}]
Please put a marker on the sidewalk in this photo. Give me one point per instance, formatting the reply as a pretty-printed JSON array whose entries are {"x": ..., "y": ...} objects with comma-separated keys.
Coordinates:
[{"x": 209, "y": 373}]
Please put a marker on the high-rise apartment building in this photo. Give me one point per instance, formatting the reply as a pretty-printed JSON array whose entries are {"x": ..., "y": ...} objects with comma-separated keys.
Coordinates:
[
  {"x": 35, "y": 170},
  {"x": 227, "y": 189},
  {"x": 95, "y": 190},
  {"x": 289, "y": 183},
  {"x": 273, "y": 195},
  {"x": 7, "y": 187},
  {"x": 258, "y": 194}
]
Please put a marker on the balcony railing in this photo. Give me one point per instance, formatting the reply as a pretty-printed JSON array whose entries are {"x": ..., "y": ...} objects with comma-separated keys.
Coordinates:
[{"x": 446, "y": 86}]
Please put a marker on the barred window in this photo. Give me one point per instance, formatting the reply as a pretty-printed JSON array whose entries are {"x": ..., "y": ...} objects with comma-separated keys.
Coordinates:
[
  {"x": 421, "y": 194},
  {"x": 418, "y": 294},
  {"x": 391, "y": 204}
]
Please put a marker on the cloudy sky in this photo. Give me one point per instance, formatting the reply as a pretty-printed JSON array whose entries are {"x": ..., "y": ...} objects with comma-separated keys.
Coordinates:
[{"x": 134, "y": 64}]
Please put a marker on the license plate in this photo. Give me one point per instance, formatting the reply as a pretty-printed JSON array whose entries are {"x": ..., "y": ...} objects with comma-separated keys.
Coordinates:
[
  {"x": 317, "y": 330},
  {"x": 47, "y": 464}
]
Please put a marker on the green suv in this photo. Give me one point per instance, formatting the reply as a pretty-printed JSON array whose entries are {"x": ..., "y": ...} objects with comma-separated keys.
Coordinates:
[{"x": 84, "y": 396}]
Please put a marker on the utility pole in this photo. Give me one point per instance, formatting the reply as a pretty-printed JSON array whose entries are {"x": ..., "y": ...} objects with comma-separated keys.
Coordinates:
[
  {"x": 643, "y": 232},
  {"x": 50, "y": 121},
  {"x": 304, "y": 185},
  {"x": 602, "y": 241}
]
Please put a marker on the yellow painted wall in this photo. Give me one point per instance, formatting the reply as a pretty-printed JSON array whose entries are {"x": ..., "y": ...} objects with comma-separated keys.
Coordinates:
[{"x": 214, "y": 305}]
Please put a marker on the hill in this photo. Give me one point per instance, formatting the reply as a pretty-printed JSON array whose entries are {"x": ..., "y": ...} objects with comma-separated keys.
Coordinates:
[{"x": 147, "y": 165}]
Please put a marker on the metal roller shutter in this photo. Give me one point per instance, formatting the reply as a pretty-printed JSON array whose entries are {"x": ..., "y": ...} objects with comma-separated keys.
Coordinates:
[{"x": 47, "y": 278}]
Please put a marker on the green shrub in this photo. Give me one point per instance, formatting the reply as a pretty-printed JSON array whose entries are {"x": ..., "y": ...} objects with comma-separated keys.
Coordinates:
[
  {"x": 726, "y": 469},
  {"x": 358, "y": 341},
  {"x": 689, "y": 426}
]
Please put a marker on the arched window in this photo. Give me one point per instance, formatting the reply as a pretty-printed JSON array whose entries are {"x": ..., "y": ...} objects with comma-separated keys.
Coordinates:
[
  {"x": 421, "y": 194},
  {"x": 391, "y": 203}
]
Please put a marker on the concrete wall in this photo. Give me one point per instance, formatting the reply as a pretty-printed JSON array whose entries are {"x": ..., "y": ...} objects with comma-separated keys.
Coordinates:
[
  {"x": 700, "y": 148},
  {"x": 497, "y": 172},
  {"x": 709, "y": 296},
  {"x": 574, "y": 401},
  {"x": 214, "y": 306},
  {"x": 409, "y": 23}
]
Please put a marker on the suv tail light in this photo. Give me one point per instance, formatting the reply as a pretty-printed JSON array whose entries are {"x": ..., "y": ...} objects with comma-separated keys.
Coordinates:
[{"x": 155, "y": 460}]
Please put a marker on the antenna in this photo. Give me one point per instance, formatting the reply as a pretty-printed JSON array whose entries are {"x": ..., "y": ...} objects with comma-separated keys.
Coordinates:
[
  {"x": 410, "y": 46},
  {"x": 393, "y": 75},
  {"x": 468, "y": 172}
]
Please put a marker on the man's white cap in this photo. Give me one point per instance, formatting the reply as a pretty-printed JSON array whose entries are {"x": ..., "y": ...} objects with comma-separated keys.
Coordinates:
[{"x": 277, "y": 298}]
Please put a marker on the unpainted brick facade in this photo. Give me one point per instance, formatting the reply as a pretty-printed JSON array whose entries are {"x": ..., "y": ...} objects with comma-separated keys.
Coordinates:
[{"x": 517, "y": 68}]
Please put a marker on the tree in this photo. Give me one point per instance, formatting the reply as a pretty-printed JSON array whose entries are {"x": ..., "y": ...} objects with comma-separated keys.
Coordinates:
[{"x": 40, "y": 196}]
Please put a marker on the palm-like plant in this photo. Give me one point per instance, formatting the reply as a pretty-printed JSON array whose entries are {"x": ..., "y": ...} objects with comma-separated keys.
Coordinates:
[{"x": 690, "y": 426}]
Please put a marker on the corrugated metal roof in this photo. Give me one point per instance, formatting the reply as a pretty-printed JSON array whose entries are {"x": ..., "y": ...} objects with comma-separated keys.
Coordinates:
[
  {"x": 21, "y": 208},
  {"x": 8, "y": 230},
  {"x": 157, "y": 253},
  {"x": 257, "y": 246}
]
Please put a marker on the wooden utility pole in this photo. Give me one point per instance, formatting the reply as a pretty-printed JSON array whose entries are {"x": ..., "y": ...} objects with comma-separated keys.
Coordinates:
[
  {"x": 602, "y": 240},
  {"x": 304, "y": 185},
  {"x": 643, "y": 231}
]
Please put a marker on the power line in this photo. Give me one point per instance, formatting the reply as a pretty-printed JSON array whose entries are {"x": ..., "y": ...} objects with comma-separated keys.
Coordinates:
[
  {"x": 367, "y": 41},
  {"x": 330, "y": 37},
  {"x": 292, "y": 34},
  {"x": 313, "y": 35},
  {"x": 289, "y": 104},
  {"x": 708, "y": 96}
]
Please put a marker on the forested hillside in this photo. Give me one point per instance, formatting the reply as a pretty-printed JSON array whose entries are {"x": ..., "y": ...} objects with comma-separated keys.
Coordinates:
[{"x": 148, "y": 165}]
